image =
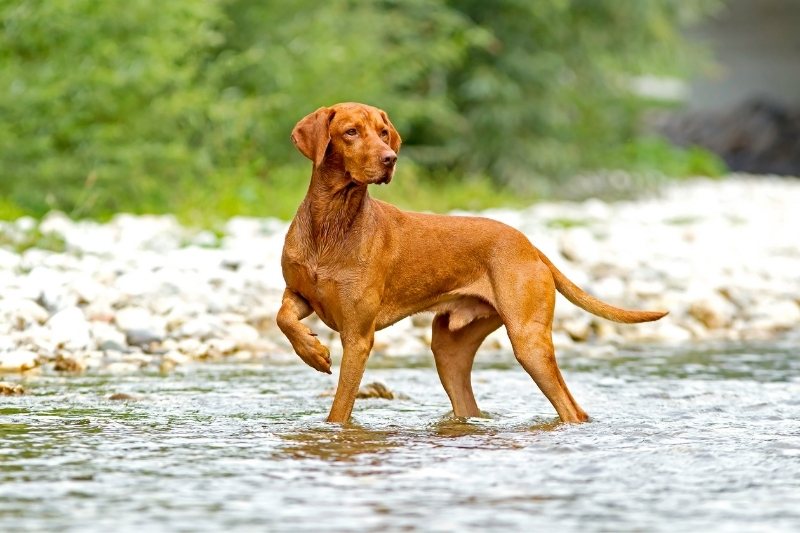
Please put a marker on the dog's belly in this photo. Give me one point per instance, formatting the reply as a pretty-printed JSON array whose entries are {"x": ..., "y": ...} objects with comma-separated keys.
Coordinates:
[
  {"x": 463, "y": 304},
  {"x": 461, "y": 310}
]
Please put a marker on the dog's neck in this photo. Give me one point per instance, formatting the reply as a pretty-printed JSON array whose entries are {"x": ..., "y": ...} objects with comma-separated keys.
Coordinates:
[{"x": 335, "y": 204}]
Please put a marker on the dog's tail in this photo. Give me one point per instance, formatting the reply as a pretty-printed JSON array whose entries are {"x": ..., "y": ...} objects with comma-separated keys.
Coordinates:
[{"x": 586, "y": 301}]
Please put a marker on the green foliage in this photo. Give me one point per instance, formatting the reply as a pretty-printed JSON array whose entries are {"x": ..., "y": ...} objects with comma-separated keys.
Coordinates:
[
  {"x": 551, "y": 93},
  {"x": 187, "y": 106},
  {"x": 643, "y": 154},
  {"x": 19, "y": 241}
]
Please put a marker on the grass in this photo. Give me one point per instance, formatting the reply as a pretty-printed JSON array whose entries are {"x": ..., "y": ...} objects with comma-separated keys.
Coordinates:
[
  {"x": 208, "y": 202},
  {"x": 447, "y": 194},
  {"x": 208, "y": 207},
  {"x": 19, "y": 242},
  {"x": 566, "y": 223}
]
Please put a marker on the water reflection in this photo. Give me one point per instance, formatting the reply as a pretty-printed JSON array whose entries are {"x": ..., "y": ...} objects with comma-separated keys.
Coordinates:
[{"x": 337, "y": 443}]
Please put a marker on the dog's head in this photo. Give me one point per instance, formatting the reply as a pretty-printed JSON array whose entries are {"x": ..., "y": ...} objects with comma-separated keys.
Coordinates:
[{"x": 356, "y": 137}]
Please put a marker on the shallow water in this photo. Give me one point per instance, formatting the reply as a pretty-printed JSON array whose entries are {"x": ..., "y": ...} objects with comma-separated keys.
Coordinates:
[{"x": 679, "y": 441}]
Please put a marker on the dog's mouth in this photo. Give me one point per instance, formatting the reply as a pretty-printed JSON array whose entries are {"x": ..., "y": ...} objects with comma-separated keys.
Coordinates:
[{"x": 380, "y": 179}]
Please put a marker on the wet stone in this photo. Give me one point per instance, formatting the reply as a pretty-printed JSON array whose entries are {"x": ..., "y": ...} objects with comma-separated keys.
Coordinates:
[
  {"x": 123, "y": 397},
  {"x": 11, "y": 389},
  {"x": 69, "y": 364},
  {"x": 376, "y": 390}
]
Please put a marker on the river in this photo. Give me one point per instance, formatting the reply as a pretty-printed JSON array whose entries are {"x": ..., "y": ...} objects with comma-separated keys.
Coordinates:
[{"x": 687, "y": 439}]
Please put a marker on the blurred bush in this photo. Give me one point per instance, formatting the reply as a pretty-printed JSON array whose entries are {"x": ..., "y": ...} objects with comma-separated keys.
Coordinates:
[{"x": 186, "y": 106}]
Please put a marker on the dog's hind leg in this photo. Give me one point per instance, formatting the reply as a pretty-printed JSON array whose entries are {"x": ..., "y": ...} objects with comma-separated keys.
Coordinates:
[
  {"x": 526, "y": 303},
  {"x": 454, "y": 352}
]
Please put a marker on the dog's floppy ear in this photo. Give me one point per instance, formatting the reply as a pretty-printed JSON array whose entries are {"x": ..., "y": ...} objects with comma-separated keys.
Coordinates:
[
  {"x": 311, "y": 135},
  {"x": 394, "y": 137}
]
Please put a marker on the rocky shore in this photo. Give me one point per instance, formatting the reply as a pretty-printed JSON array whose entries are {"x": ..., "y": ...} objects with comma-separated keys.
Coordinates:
[{"x": 143, "y": 293}]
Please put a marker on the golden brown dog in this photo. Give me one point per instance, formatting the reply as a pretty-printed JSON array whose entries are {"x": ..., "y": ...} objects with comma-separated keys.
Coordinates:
[{"x": 362, "y": 265}]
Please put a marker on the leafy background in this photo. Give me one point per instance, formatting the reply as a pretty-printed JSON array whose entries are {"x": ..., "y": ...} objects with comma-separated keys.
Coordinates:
[{"x": 186, "y": 106}]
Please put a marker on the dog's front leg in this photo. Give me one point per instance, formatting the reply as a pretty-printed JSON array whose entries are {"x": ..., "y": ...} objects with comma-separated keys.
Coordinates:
[
  {"x": 357, "y": 345},
  {"x": 294, "y": 308}
]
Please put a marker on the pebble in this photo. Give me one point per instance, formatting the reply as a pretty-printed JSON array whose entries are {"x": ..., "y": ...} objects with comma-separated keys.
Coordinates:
[
  {"x": 140, "y": 326},
  {"x": 69, "y": 329},
  {"x": 11, "y": 389},
  {"x": 17, "y": 361},
  {"x": 375, "y": 390},
  {"x": 71, "y": 364},
  {"x": 713, "y": 311},
  {"x": 143, "y": 292}
]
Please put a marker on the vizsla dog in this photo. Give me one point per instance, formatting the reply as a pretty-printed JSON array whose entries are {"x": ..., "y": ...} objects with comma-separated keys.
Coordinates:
[{"x": 362, "y": 264}]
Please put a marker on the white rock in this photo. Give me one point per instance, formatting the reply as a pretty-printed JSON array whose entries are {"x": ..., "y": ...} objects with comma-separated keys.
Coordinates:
[
  {"x": 398, "y": 340},
  {"x": 562, "y": 341},
  {"x": 25, "y": 224},
  {"x": 607, "y": 331},
  {"x": 244, "y": 226},
  {"x": 219, "y": 347},
  {"x": 37, "y": 339},
  {"x": 609, "y": 288},
  {"x": 566, "y": 310},
  {"x": 122, "y": 367},
  {"x": 133, "y": 318},
  {"x": 48, "y": 286},
  {"x": 660, "y": 331},
  {"x": 140, "y": 326},
  {"x": 713, "y": 311},
  {"x": 17, "y": 361},
  {"x": 244, "y": 335},
  {"x": 205, "y": 239},
  {"x": 201, "y": 327},
  {"x": 107, "y": 336},
  {"x": 87, "y": 290},
  {"x": 9, "y": 260},
  {"x": 646, "y": 288},
  {"x": 100, "y": 311},
  {"x": 137, "y": 283},
  {"x": 177, "y": 358},
  {"x": 498, "y": 340},
  {"x": 7, "y": 343},
  {"x": 579, "y": 328},
  {"x": 69, "y": 329},
  {"x": 599, "y": 350},
  {"x": 56, "y": 222},
  {"x": 579, "y": 245},
  {"x": 193, "y": 347},
  {"x": 773, "y": 315},
  {"x": 22, "y": 312}
]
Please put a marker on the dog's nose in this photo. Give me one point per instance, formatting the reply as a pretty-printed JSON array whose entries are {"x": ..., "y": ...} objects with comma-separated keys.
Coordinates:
[{"x": 389, "y": 158}]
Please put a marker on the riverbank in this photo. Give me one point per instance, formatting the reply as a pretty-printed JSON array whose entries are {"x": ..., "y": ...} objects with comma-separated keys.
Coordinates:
[{"x": 145, "y": 293}]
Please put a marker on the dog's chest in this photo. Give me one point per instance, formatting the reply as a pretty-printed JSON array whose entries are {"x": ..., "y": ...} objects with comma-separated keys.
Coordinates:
[{"x": 318, "y": 286}]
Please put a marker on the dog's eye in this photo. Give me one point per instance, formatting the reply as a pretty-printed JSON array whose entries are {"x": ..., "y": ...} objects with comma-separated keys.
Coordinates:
[
  {"x": 385, "y": 133},
  {"x": 352, "y": 132}
]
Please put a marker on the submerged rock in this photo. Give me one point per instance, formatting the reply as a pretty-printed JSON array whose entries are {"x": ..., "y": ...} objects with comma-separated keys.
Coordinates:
[
  {"x": 123, "y": 397},
  {"x": 376, "y": 390},
  {"x": 371, "y": 390}
]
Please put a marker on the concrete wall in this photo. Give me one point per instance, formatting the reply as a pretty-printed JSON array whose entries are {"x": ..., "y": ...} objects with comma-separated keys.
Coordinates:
[{"x": 756, "y": 44}]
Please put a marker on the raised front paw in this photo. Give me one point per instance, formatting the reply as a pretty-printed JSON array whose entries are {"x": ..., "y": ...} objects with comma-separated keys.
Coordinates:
[{"x": 315, "y": 354}]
